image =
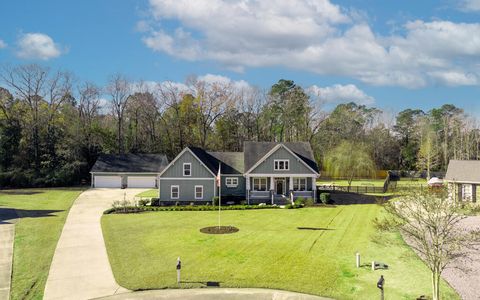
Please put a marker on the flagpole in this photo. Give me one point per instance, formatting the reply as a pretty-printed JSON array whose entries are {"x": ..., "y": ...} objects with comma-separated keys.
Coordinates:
[{"x": 219, "y": 194}]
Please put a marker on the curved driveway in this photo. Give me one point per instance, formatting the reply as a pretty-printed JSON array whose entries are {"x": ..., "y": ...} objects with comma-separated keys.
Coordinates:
[{"x": 80, "y": 268}]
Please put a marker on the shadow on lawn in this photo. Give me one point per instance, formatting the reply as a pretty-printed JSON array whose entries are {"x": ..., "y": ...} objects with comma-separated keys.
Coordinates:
[
  {"x": 314, "y": 228},
  {"x": 20, "y": 192},
  {"x": 344, "y": 198},
  {"x": 9, "y": 215},
  {"x": 205, "y": 283}
]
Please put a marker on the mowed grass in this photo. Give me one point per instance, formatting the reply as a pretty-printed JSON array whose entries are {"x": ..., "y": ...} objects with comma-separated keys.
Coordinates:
[
  {"x": 42, "y": 213},
  {"x": 374, "y": 182},
  {"x": 269, "y": 251},
  {"x": 153, "y": 193}
]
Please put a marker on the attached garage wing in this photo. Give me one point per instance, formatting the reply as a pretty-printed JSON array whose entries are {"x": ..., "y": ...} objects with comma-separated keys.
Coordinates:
[
  {"x": 107, "y": 181},
  {"x": 141, "y": 181}
]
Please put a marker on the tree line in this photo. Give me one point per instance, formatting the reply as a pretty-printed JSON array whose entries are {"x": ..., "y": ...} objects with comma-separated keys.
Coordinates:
[{"x": 53, "y": 126}]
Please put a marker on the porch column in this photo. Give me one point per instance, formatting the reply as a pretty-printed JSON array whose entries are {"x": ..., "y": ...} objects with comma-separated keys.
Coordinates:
[
  {"x": 247, "y": 187},
  {"x": 272, "y": 188},
  {"x": 290, "y": 184},
  {"x": 474, "y": 193},
  {"x": 460, "y": 192},
  {"x": 314, "y": 187}
]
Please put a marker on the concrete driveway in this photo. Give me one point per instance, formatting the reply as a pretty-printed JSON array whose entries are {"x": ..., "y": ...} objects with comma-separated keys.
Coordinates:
[{"x": 80, "y": 268}]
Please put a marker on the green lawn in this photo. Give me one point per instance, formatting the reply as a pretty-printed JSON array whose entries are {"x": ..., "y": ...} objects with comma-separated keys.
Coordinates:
[
  {"x": 373, "y": 182},
  {"x": 268, "y": 251},
  {"x": 153, "y": 193},
  {"x": 42, "y": 214}
]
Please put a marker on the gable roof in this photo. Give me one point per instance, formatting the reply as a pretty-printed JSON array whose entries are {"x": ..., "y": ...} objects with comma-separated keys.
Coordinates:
[
  {"x": 231, "y": 162},
  {"x": 255, "y": 151},
  {"x": 463, "y": 171},
  {"x": 130, "y": 163}
]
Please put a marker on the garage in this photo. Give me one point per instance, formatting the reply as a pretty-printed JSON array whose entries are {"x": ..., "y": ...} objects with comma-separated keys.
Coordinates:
[
  {"x": 107, "y": 181},
  {"x": 141, "y": 181},
  {"x": 127, "y": 170}
]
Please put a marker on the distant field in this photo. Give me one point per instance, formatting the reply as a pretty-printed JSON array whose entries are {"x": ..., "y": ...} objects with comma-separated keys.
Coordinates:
[
  {"x": 269, "y": 251},
  {"x": 373, "y": 182},
  {"x": 42, "y": 213}
]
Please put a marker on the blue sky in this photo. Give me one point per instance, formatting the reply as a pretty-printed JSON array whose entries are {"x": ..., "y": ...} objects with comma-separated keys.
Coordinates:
[{"x": 389, "y": 54}]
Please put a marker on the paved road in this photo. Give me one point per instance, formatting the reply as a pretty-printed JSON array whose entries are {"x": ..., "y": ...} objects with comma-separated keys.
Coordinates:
[
  {"x": 214, "y": 294},
  {"x": 80, "y": 268}
]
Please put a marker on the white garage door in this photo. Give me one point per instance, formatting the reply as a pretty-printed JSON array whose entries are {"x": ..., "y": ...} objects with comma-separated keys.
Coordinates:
[
  {"x": 108, "y": 181},
  {"x": 141, "y": 181}
]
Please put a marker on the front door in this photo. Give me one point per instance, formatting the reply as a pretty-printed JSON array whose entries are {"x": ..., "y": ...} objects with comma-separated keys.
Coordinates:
[{"x": 280, "y": 186}]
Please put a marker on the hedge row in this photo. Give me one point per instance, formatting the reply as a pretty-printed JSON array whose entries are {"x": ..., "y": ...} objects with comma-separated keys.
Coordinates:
[{"x": 136, "y": 209}]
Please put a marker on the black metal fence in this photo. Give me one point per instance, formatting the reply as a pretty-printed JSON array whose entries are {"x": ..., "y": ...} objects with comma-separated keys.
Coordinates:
[{"x": 370, "y": 189}]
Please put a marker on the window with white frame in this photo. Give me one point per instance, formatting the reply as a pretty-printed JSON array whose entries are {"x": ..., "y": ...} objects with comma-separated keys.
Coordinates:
[
  {"x": 231, "y": 181},
  {"x": 299, "y": 184},
  {"x": 259, "y": 184},
  {"x": 281, "y": 164},
  {"x": 187, "y": 169},
  {"x": 199, "y": 192},
  {"x": 174, "y": 192}
]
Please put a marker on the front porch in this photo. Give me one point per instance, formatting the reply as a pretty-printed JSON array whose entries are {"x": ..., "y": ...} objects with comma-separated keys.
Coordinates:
[{"x": 279, "y": 189}]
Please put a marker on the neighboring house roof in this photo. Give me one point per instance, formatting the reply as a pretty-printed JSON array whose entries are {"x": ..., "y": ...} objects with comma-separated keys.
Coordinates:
[
  {"x": 463, "y": 171},
  {"x": 130, "y": 163},
  {"x": 232, "y": 162},
  {"x": 254, "y": 151}
]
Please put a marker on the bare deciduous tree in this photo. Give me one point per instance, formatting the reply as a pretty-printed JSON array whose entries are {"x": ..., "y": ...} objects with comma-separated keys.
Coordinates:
[
  {"x": 119, "y": 89},
  {"x": 430, "y": 222}
]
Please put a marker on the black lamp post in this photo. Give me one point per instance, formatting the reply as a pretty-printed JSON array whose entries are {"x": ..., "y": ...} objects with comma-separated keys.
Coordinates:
[{"x": 380, "y": 284}]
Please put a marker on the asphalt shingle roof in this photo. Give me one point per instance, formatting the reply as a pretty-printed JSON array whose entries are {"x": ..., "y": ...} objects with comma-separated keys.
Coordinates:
[
  {"x": 254, "y": 151},
  {"x": 130, "y": 163},
  {"x": 463, "y": 171},
  {"x": 232, "y": 162}
]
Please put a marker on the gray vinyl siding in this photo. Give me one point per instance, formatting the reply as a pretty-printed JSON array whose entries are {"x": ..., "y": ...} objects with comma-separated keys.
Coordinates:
[
  {"x": 176, "y": 169},
  {"x": 187, "y": 189},
  {"x": 233, "y": 191},
  {"x": 296, "y": 166}
]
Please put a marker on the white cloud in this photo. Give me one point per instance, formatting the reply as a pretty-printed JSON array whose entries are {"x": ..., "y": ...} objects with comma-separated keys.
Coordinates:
[
  {"x": 37, "y": 46},
  {"x": 2, "y": 44},
  {"x": 316, "y": 36},
  {"x": 338, "y": 93},
  {"x": 470, "y": 5},
  {"x": 211, "y": 78}
]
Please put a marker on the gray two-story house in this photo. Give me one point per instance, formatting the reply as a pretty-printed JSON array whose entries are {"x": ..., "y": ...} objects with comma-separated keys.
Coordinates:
[{"x": 265, "y": 172}]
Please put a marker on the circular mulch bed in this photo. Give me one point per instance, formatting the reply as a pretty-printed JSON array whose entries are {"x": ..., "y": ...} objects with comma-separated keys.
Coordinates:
[{"x": 219, "y": 229}]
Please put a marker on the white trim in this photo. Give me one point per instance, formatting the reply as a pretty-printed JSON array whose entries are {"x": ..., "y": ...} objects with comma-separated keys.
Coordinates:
[
  {"x": 266, "y": 184},
  {"x": 300, "y": 178},
  {"x": 275, "y": 161},
  {"x": 187, "y": 178},
  {"x": 183, "y": 169},
  {"x": 272, "y": 151},
  {"x": 460, "y": 182},
  {"x": 195, "y": 192},
  {"x": 179, "y": 155},
  {"x": 232, "y": 179},
  {"x": 280, "y": 175},
  {"x": 178, "y": 192}
]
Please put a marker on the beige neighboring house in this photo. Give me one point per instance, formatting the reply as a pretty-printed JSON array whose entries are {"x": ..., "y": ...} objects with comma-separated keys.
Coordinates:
[{"x": 462, "y": 179}]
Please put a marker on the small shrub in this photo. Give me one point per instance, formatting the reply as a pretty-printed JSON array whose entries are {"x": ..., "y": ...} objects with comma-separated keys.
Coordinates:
[
  {"x": 155, "y": 202},
  {"x": 215, "y": 200},
  {"x": 325, "y": 198},
  {"x": 143, "y": 202},
  {"x": 300, "y": 201},
  {"x": 309, "y": 202}
]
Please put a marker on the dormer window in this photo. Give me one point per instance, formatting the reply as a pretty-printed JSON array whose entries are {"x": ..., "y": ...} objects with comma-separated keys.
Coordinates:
[
  {"x": 187, "y": 169},
  {"x": 281, "y": 165}
]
